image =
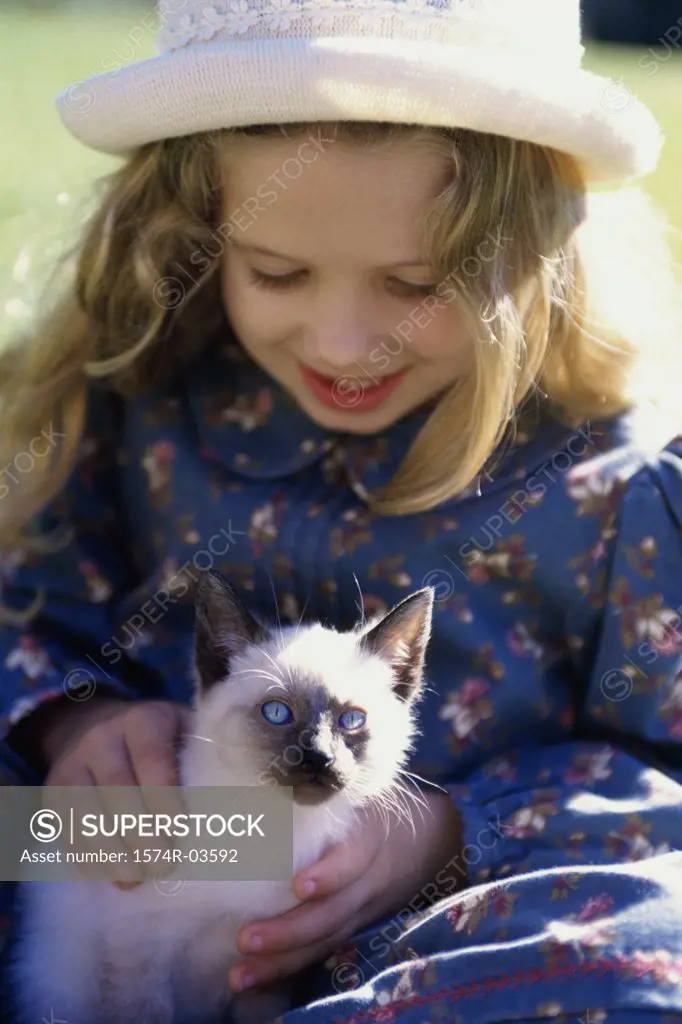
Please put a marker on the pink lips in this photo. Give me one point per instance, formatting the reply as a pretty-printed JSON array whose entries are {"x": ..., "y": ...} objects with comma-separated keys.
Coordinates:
[{"x": 348, "y": 393}]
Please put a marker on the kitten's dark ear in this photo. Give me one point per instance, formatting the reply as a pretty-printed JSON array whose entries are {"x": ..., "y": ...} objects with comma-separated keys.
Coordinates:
[
  {"x": 223, "y": 627},
  {"x": 401, "y": 639}
]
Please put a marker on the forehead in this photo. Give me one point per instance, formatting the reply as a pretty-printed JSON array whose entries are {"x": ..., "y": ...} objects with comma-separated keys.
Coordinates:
[
  {"x": 322, "y": 669},
  {"x": 312, "y": 701},
  {"x": 360, "y": 205}
]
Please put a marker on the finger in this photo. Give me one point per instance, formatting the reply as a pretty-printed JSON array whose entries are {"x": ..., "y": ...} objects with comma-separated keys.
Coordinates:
[
  {"x": 152, "y": 740},
  {"x": 338, "y": 868},
  {"x": 151, "y": 745},
  {"x": 122, "y": 868},
  {"x": 69, "y": 787},
  {"x": 154, "y": 844},
  {"x": 119, "y": 795},
  {"x": 67, "y": 773},
  {"x": 264, "y": 970},
  {"x": 153, "y": 758},
  {"x": 78, "y": 789},
  {"x": 309, "y": 923}
]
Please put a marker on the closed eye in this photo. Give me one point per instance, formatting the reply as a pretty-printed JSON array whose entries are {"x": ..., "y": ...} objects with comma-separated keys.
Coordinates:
[
  {"x": 282, "y": 281},
  {"x": 274, "y": 280}
]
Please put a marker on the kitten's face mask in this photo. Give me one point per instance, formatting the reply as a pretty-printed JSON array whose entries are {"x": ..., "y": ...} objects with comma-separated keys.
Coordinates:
[{"x": 323, "y": 712}]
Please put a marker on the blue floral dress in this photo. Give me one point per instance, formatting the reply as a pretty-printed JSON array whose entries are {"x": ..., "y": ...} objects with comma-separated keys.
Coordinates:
[{"x": 554, "y": 715}]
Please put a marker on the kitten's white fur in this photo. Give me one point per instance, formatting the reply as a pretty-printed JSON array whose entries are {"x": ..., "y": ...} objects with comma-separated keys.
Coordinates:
[{"x": 166, "y": 958}]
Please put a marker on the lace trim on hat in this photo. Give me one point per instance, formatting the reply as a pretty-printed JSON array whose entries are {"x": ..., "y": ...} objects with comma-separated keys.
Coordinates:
[{"x": 239, "y": 17}]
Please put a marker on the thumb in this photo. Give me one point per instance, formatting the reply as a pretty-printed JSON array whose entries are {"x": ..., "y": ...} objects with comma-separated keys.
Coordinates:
[{"x": 341, "y": 865}]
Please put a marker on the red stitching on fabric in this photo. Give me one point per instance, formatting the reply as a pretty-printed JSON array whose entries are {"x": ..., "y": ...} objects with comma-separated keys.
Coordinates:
[{"x": 601, "y": 965}]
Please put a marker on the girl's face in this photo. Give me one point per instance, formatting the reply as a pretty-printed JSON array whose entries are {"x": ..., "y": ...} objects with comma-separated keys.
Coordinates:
[{"x": 325, "y": 281}]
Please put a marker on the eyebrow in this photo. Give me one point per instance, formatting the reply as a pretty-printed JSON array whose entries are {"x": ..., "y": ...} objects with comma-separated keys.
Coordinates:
[{"x": 295, "y": 259}]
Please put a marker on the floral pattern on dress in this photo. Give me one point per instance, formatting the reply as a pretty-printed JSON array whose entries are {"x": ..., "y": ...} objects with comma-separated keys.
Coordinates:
[
  {"x": 467, "y": 708},
  {"x": 158, "y": 464},
  {"x": 30, "y": 657},
  {"x": 552, "y": 715}
]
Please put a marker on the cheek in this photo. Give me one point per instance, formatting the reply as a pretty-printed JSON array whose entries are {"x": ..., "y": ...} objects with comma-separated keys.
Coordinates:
[
  {"x": 229, "y": 280},
  {"x": 445, "y": 339},
  {"x": 250, "y": 311},
  {"x": 389, "y": 743},
  {"x": 229, "y": 743},
  {"x": 377, "y": 763},
  {"x": 350, "y": 758}
]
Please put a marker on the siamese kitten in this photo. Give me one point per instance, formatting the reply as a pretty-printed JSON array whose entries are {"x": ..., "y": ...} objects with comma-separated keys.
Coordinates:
[{"x": 89, "y": 953}]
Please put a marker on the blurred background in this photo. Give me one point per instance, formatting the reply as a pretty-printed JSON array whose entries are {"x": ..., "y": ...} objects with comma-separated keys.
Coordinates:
[{"x": 46, "y": 178}]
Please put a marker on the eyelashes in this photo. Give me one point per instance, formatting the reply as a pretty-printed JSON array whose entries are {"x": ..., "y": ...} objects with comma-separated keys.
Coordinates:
[
  {"x": 270, "y": 281},
  {"x": 280, "y": 282}
]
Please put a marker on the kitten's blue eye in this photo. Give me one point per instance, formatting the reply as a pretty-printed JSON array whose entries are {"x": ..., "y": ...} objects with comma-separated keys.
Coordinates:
[
  {"x": 276, "y": 712},
  {"x": 352, "y": 719}
]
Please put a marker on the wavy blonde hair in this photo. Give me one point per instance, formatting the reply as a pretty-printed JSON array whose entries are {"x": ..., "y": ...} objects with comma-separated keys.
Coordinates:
[{"x": 564, "y": 307}]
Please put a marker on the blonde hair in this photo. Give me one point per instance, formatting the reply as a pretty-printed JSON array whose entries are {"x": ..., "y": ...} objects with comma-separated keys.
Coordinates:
[{"x": 522, "y": 244}]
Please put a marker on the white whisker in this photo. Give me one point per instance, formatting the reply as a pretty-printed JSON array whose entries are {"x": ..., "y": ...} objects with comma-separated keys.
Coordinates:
[
  {"x": 287, "y": 669},
  {"x": 361, "y": 607},
  {"x": 300, "y": 618},
  {"x": 403, "y": 796},
  {"x": 274, "y": 597},
  {"x": 276, "y": 666},
  {"x": 415, "y": 794},
  {"x": 260, "y": 672}
]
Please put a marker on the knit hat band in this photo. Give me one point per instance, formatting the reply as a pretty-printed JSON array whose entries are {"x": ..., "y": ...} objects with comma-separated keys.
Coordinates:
[{"x": 474, "y": 23}]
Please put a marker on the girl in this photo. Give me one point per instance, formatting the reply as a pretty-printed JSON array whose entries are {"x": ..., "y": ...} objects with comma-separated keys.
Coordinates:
[{"x": 349, "y": 319}]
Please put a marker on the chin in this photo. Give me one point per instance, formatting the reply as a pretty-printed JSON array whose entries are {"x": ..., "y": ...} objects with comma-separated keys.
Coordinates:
[{"x": 313, "y": 794}]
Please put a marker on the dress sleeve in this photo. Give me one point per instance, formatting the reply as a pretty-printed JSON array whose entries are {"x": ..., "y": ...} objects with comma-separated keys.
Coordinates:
[
  {"x": 565, "y": 896},
  {"x": 77, "y": 584},
  {"x": 614, "y": 793}
]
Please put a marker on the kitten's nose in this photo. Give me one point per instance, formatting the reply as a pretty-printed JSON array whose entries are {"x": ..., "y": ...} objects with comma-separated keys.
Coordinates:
[{"x": 317, "y": 760}]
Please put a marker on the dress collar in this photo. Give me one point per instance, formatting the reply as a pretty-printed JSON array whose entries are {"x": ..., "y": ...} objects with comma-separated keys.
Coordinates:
[{"x": 248, "y": 423}]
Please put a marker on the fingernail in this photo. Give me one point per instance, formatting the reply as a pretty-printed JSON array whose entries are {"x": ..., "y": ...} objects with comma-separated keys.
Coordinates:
[
  {"x": 309, "y": 886},
  {"x": 254, "y": 943},
  {"x": 245, "y": 980}
]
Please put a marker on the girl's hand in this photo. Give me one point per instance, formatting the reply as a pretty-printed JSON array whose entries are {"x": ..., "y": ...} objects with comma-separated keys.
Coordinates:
[
  {"x": 356, "y": 882},
  {"x": 110, "y": 741}
]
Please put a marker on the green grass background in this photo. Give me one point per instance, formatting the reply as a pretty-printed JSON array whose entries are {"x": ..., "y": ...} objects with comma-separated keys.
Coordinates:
[{"x": 45, "y": 175}]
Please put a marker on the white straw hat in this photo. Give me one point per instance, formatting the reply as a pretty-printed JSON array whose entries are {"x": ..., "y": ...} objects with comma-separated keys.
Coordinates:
[{"x": 508, "y": 67}]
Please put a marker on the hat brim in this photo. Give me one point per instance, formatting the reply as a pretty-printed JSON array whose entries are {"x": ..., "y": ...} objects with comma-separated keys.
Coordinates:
[{"x": 216, "y": 85}]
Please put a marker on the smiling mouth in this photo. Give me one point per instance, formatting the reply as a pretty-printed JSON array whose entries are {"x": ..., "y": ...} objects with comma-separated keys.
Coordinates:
[
  {"x": 349, "y": 393},
  {"x": 370, "y": 382}
]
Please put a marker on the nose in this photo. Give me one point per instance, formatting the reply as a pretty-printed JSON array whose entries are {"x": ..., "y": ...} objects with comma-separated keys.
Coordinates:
[
  {"x": 317, "y": 760},
  {"x": 335, "y": 350},
  {"x": 339, "y": 336}
]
